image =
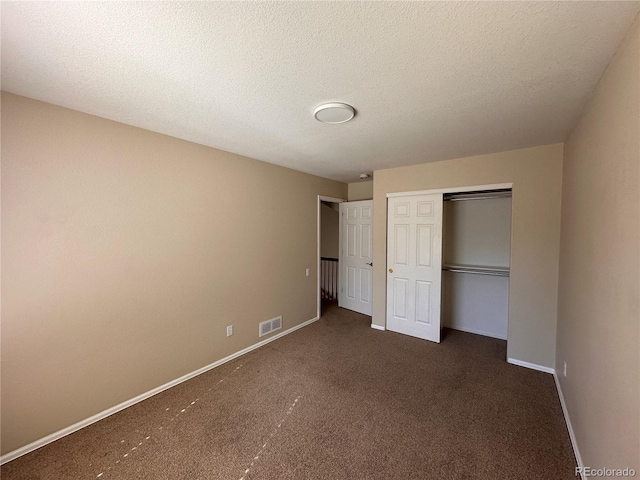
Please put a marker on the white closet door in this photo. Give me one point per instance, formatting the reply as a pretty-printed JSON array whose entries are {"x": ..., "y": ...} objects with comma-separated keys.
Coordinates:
[
  {"x": 414, "y": 265},
  {"x": 356, "y": 256}
]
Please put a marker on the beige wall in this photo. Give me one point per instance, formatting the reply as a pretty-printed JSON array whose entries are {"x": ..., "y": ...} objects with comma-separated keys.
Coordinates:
[
  {"x": 536, "y": 177},
  {"x": 360, "y": 191},
  {"x": 599, "y": 295},
  {"x": 329, "y": 232},
  {"x": 126, "y": 253}
]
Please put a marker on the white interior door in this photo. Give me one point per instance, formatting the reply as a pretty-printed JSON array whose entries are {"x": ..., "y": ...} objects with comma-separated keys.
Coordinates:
[
  {"x": 414, "y": 265},
  {"x": 356, "y": 256}
]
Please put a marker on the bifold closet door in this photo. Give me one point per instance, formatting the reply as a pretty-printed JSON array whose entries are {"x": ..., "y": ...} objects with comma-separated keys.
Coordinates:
[{"x": 414, "y": 265}]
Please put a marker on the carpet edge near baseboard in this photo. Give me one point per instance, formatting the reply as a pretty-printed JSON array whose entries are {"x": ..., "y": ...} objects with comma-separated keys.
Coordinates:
[
  {"x": 121, "y": 406},
  {"x": 567, "y": 421},
  {"x": 565, "y": 411}
]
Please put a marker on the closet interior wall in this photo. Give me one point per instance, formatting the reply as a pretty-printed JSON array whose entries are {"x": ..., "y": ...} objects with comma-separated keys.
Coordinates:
[{"x": 477, "y": 238}]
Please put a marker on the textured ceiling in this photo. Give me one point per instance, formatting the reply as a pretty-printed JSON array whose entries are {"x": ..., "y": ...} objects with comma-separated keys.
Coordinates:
[{"x": 430, "y": 81}]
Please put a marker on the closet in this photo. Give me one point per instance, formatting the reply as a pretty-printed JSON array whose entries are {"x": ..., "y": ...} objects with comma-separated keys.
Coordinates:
[{"x": 475, "y": 266}]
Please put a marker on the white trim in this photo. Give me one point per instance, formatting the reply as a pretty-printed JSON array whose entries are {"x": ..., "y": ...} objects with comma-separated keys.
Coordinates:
[
  {"x": 532, "y": 366},
  {"x": 572, "y": 435},
  {"x": 378, "y": 327},
  {"x": 477, "y": 332},
  {"x": 358, "y": 202},
  {"x": 324, "y": 198},
  {"x": 494, "y": 186},
  {"x": 340, "y": 255},
  {"x": 110, "y": 411}
]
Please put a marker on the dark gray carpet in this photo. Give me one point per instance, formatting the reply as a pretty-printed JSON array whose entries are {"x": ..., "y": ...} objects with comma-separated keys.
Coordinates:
[{"x": 334, "y": 400}]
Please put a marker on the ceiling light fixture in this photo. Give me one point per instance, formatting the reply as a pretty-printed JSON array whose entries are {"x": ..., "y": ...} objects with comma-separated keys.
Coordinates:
[
  {"x": 364, "y": 176},
  {"x": 334, "y": 113}
]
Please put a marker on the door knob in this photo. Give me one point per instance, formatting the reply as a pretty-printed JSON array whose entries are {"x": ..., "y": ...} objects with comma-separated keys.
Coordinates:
[
  {"x": 370, "y": 264},
  {"x": 391, "y": 270}
]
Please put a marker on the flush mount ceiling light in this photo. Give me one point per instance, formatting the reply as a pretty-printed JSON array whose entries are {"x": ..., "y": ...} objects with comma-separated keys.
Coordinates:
[{"x": 334, "y": 113}]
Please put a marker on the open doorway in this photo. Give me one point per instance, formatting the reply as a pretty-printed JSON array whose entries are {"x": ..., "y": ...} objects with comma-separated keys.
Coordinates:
[{"x": 329, "y": 239}]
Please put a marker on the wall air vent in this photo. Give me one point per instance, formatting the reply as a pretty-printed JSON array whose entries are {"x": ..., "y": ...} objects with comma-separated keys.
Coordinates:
[
  {"x": 269, "y": 326},
  {"x": 276, "y": 323}
]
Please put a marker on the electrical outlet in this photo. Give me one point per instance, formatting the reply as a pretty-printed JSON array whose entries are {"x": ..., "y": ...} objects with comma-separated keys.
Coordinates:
[
  {"x": 229, "y": 330},
  {"x": 307, "y": 272},
  {"x": 564, "y": 372}
]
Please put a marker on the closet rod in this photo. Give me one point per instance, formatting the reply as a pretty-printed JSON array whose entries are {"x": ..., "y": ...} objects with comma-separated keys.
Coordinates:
[
  {"x": 457, "y": 197},
  {"x": 493, "y": 271}
]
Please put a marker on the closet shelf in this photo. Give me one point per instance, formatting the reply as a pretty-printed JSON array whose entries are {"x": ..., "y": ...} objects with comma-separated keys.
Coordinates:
[
  {"x": 482, "y": 195},
  {"x": 477, "y": 270}
]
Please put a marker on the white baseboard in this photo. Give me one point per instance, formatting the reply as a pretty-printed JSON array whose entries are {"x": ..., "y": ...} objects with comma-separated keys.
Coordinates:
[
  {"x": 565, "y": 412},
  {"x": 110, "y": 411},
  {"x": 532, "y": 366},
  {"x": 377, "y": 327},
  {"x": 477, "y": 332},
  {"x": 572, "y": 435}
]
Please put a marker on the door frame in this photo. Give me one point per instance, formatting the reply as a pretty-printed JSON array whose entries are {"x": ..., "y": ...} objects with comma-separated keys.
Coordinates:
[
  {"x": 470, "y": 188},
  {"x": 324, "y": 198},
  {"x": 462, "y": 189}
]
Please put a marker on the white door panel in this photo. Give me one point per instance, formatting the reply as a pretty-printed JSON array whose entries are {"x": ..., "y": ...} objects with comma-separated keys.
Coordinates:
[
  {"x": 414, "y": 265},
  {"x": 356, "y": 260}
]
